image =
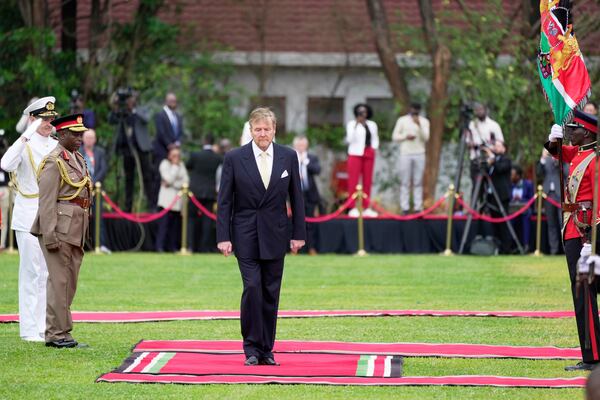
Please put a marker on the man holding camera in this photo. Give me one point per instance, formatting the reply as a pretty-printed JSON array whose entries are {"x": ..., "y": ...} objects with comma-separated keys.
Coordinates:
[
  {"x": 133, "y": 143},
  {"x": 412, "y": 133},
  {"x": 483, "y": 133}
]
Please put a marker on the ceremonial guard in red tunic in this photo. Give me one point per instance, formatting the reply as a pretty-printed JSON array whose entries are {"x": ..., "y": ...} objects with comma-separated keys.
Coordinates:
[{"x": 577, "y": 222}]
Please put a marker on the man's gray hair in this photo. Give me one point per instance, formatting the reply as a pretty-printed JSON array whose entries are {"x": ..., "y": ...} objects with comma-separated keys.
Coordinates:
[{"x": 261, "y": 113}]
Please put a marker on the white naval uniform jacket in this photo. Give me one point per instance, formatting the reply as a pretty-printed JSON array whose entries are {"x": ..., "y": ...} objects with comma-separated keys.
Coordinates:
[{"x": 17, "y": 159}]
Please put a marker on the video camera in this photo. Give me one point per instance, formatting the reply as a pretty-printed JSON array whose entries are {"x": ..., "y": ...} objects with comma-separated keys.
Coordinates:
[{"x": 120, "y": 99}]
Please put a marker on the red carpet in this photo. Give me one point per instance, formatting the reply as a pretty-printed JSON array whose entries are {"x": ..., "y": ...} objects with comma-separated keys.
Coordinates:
[
  {"x": 151, "y": 316},
  {"x": 321, "y": 363},
  {"x": 402, "y": 349},
  {"x": 292, "y": 365},
  {"x": 465, "y": 380}
]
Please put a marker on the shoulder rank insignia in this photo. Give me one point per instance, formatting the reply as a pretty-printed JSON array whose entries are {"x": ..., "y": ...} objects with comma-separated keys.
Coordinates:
[{"x": 65, "y": 155}]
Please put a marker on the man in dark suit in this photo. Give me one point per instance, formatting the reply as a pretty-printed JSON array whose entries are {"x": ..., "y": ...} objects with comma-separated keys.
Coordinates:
[
  {"x": 309, "y": 168},
  {"x": 252, "y": 221},
  {"x": 499, "y": 166},
  {"x": 95, "y": 159},
  {"x": 521, "y": 193},
  {"x": 169, "y": 128},
  {"x": 133, "y": 141},
  {"x": 202, "y": 169}
]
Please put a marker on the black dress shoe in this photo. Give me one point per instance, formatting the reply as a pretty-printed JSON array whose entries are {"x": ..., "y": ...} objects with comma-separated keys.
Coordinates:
[
  {"x": 252, "y": 360},
  {"x": 268, "y": 361},
  {"x": 62, "y": 344},
  {"x": 581, "y": 366}
]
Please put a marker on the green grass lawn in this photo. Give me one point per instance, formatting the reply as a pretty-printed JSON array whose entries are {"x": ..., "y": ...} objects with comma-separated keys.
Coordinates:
[{"x": 168, "y": 282}]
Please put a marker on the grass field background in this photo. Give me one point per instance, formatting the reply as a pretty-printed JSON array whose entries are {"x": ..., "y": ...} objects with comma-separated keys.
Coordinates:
[{"x": 140, "y": 281}]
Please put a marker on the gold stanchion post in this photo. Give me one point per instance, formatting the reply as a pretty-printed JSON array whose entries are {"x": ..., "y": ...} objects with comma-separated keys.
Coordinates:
[
  {"x": 450, "y": 204},
  {"x": 97, "y": 216},
  {"x": 538, "y": 222},
  {"x": 184, "y": 220},
  {"x": 361, "y": 227},
  {"x": 11, "y": 234}
]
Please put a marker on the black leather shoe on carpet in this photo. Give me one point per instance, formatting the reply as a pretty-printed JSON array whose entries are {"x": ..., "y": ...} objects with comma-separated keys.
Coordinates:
[
  {"x": 268, "y": 361},
  {"x": 581, "y": 366},
  {"x": 62, "y": 344},
  {"x": 252, "y": 360}
]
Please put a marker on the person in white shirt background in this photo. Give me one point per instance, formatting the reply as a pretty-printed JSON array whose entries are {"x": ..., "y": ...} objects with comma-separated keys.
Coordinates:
[
  {"x": 363, "y": 142},
  {"x": 23, "y": 159},
  {"x": 483, "y": 132},
  {"x": 412, "y": 133}
]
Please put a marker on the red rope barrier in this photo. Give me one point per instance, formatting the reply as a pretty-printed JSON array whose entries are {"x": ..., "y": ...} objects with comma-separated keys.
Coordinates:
[
  {"x": 552, "y": 201},
  {"x": 387, "y": 215},
  {"x": 333, "y": 215},
  {"x": 496, "y": 220},
  {"x": 203, "y": 210},
  {"x": 137, "y": 219}
]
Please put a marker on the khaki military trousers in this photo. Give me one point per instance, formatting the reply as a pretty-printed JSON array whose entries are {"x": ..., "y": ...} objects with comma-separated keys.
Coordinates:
[{"x": 63, "y": 271}]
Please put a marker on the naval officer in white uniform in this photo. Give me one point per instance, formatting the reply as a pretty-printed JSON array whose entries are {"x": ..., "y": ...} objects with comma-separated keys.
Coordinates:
[{"x": 22, "y": 159}]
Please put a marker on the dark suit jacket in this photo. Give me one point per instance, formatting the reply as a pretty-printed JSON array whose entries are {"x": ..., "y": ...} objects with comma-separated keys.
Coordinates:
[
  {"x": 500, "y": 174},
  {"x": 165, "y": 134},
  {"x": 254, "y": 219},
  {"x": 100, "y": 161},
  {"x": 313, "y": 169},
  {"x": 202, "y": 169},
  {"x": 139, "y": 123},
  {"x": 527, "y": 190}
]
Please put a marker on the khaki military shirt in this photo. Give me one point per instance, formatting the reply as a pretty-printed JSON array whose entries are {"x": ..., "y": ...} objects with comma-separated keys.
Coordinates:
[{"x": 64, "y": 180}]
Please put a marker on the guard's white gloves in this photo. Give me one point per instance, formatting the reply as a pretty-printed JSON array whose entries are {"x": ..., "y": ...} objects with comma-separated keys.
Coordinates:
[
  {"x": 31, "y": 129},
  {"x": 556, "y": 132},
  {"x": 586, "y": 250},
  {"x": 594, "y": 263}
]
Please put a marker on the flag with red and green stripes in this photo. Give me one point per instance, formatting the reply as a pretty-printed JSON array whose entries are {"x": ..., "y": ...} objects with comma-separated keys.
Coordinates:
[
  {"x": 379, "y": 366},
  {"x": 561, "y": 67}
]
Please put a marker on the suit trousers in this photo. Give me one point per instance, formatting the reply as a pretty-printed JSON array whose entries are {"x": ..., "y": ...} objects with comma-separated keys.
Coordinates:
[
  {"x": 33, "y": 275},
  {"x": 554, "y": 223},
  {"x": 590, "y": 355},
  {"x": 259, "y": 305},
  {"x": 361, "y": 167},
  {"x": 311, "y": 229},
  {"x": 501, "y": 231},
  {"x": 202, "y": 229},
  {"x": 412, "y": 168},
  {"x": 63, "y": 272},
  {"x": 130, "y": 167},
  {"x": 168, "y": 236}
]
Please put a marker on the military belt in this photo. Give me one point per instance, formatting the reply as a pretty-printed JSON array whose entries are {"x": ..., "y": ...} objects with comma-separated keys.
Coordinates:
[
  {"x": 80, "y": 201},
  {"x": 574, "y": 207}
]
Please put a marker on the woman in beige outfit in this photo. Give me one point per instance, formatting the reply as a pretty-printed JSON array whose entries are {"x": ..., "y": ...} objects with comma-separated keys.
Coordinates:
[{"x": 173, "y": 176}]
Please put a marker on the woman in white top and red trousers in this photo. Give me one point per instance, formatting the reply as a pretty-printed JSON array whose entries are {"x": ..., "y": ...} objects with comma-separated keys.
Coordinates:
[{"x": 363, "y": 141}]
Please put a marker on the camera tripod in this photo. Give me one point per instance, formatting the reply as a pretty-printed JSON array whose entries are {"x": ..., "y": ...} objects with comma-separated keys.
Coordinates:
[{"x": 479, "y": 202}]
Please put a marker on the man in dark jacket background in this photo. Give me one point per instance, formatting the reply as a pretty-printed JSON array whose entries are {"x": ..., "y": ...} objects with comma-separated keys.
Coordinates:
[{"x": 202, "y": 169}]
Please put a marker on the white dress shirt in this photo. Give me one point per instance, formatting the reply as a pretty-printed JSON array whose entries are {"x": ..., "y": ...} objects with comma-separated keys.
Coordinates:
[
  {"x": 172, "y": 118},
  {"x": 257, "y": 152},
  {"x": 16, "y": 159},
  {"x": 481, "y": 134}
]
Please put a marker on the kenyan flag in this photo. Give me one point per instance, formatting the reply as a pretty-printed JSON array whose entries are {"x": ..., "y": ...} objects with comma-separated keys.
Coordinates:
[
  {"x": 561, "y": 67},
  {"x": 379, "y": 366}
]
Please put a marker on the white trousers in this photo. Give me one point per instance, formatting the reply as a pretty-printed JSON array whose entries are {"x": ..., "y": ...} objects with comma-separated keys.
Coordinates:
[
  {"x": 412, "y": 167},
  {"x": 33, "y": 275}
]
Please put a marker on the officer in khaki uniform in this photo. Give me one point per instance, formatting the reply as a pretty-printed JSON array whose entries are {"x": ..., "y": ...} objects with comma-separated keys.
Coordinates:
[{"x": 62, "y": 225}]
